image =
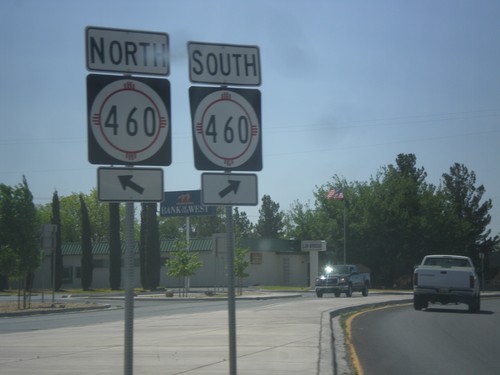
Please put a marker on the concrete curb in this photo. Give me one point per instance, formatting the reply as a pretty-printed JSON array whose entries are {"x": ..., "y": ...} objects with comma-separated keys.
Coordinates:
[{"x": 54, "y": 310}]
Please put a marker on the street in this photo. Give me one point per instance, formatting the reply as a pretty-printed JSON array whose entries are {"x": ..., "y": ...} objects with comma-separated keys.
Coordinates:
[{"x": 443, "y": 339}]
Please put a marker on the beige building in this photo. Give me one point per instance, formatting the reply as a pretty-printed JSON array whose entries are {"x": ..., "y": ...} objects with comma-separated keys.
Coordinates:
[{"x": 271, "y": 262}]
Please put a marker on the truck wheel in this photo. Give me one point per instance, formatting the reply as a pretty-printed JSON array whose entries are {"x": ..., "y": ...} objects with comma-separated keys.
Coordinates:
[
  {"x": 475, "y": 306},
  {"x": 349, "y": 291},
  {"x": 319, "y": 293},
  {"x": 416, "y": 303},
  {"x": 337, "y": 294},
  {"x": 365, "y": 290},
  {"x": 419, "y": 303}
]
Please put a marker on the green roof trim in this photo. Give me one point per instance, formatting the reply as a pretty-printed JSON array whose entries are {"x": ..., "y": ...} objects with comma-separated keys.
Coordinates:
[{"x": 197, "y": 244}]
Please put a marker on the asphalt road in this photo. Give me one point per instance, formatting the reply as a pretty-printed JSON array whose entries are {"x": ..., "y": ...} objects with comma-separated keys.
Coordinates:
[
  {"x": 444, "y": 339},
  {"x": 116, "y": 312}
]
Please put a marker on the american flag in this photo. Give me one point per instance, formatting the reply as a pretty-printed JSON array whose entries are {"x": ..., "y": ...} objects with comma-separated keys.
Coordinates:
[{"x": 335, "y": 194}]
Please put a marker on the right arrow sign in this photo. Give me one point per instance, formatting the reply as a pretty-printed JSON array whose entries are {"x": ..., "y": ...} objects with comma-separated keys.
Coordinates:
[{"x": 229, "y": 189}]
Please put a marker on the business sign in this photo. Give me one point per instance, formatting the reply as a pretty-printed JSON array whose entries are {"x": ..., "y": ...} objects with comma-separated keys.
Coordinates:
[
  {"x": 128, "y": 120},
  {"x": 130, "y": 184},
  {"x": 184, "y": 203},
  {"x": 230, "y": 189},
  {"x": 319, "y": 245},
  {"x": 126, "y": 51},
  {"x": 224, "y": 64},
  {"x": 227, "y": 131}
]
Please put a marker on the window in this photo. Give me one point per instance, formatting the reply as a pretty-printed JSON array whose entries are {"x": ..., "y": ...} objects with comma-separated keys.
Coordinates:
[
  {"x": 255, "y": 258},
  {"x": 67, "y": 276}
]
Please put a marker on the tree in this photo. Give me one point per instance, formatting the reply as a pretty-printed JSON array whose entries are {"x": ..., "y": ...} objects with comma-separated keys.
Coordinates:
[
  {"x": 470, "y": 216},
  {"x": 115, "y": 251},
  {"x": 240, "y": 265},
  {"x": 183, "y": 264},
  {"x": 242, "y": 225},
  {"x": 270, "y": 223},
  {"x": 205, "y": 226},
  {"x": 86, "y": 241},
  {"x": 171, "y": 227},
  {"x": 19, "y": 234},
  {"x": 56, "y": 220},
  {"x": 149, "y": 248},
  {"x": 71, "y": 224}
]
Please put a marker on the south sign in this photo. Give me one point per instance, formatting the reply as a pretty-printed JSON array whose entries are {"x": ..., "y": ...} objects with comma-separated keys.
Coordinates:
[{"x": 225, "y": 64}]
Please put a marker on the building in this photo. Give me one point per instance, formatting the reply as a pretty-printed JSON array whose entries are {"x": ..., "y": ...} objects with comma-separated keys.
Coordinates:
[{"x": 271, "y": 262}]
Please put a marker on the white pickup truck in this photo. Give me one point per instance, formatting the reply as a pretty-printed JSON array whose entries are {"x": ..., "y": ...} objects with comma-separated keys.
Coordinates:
[{"x": 446, "y": 279}]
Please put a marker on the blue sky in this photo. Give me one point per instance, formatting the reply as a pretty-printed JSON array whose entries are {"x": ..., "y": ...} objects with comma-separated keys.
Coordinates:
[{"x": 346, "y": 87}]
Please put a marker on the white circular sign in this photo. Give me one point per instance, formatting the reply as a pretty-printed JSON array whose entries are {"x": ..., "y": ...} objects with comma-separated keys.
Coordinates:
[
  {"x": 226, "y": 128},
  {"x": 129, "y": 120}
]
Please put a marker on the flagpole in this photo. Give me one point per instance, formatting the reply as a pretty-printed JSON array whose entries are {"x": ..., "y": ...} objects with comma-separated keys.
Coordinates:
[{"x": 345, "y": 261}]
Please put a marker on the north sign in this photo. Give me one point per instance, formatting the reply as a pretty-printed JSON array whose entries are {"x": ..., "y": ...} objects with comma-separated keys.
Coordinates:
[
  {"x": 130, "y": 184},
  {"x": 224, "y": 64},
  {"x": 229, "y": 189},
  {"x": 128, "y": 120},
  {"x": 226, "y": 128},
  {"x": 127, "y": 51}
]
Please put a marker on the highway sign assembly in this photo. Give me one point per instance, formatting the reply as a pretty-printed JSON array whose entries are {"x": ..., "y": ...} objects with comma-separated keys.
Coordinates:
[
  {"x": 126, "y": 51},
  {"x": 224, "y": 64},
  {"x": 229, "y": 189},
  {"x": 227, "y": 129},
  {"x": 128, "y": 120},
  {"x": 129, "y": 184}
]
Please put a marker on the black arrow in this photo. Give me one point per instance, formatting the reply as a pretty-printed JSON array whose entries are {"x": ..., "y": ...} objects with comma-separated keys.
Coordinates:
[
  {"x": 233, "y": 186},
  {"x": 126, "y": 181}
]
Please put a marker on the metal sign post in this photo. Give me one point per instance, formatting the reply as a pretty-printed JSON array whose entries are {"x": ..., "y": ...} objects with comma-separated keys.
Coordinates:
[
  {"x": 231, "y": 306},
  {"x": 227, "y": 135},
  {"x": 128, "y": 123},
  {"x": 129, "y": 289}
]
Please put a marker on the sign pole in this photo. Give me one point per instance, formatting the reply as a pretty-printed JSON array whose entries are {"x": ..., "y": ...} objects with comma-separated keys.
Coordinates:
[
  {"x": 231, "y": 308},
  {"x": 129, "y": 288}
]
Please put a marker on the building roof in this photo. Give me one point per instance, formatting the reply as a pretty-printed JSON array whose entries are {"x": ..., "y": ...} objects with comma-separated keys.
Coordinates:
[{"x": 196, "y": 244}]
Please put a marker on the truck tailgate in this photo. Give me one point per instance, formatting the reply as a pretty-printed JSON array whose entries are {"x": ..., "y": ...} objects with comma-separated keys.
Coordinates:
[{"x": 444, "y": 277}]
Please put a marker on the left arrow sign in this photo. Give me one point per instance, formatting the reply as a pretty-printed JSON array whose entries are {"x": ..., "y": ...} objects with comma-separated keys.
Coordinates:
[
  {"x": 126, "y": 181},
  {"x": 130, "y": 184}
]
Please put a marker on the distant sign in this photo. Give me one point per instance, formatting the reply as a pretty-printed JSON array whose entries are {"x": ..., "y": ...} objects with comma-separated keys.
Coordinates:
[
  {"x": 184, "y": 203},
  {"x": 127, "y": 51},
  {"x": 319, "y": 245},
  {"x": 224, "y": 64}
]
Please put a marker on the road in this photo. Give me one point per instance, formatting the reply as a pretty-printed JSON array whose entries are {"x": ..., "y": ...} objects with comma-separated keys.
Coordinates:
[
  {"x": 142, "y": 309},
  {"x": 440, "y": 340}
]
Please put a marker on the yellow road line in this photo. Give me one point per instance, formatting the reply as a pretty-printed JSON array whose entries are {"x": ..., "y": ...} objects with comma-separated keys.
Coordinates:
[{"x": 358, "y": 370}]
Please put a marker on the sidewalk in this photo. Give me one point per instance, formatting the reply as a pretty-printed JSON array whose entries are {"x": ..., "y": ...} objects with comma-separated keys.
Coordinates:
[{"x": 294, "y": 337}]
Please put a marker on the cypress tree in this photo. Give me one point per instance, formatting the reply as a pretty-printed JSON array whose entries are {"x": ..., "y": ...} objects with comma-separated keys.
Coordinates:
[
  {"x": 56, "y": 219},
  {"x": 153, "y": 258},
  {"x": 115, "y": 251}
]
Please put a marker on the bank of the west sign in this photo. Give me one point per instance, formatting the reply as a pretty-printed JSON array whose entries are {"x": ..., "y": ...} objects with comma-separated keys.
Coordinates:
[{"x": 184, "y": 203}]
